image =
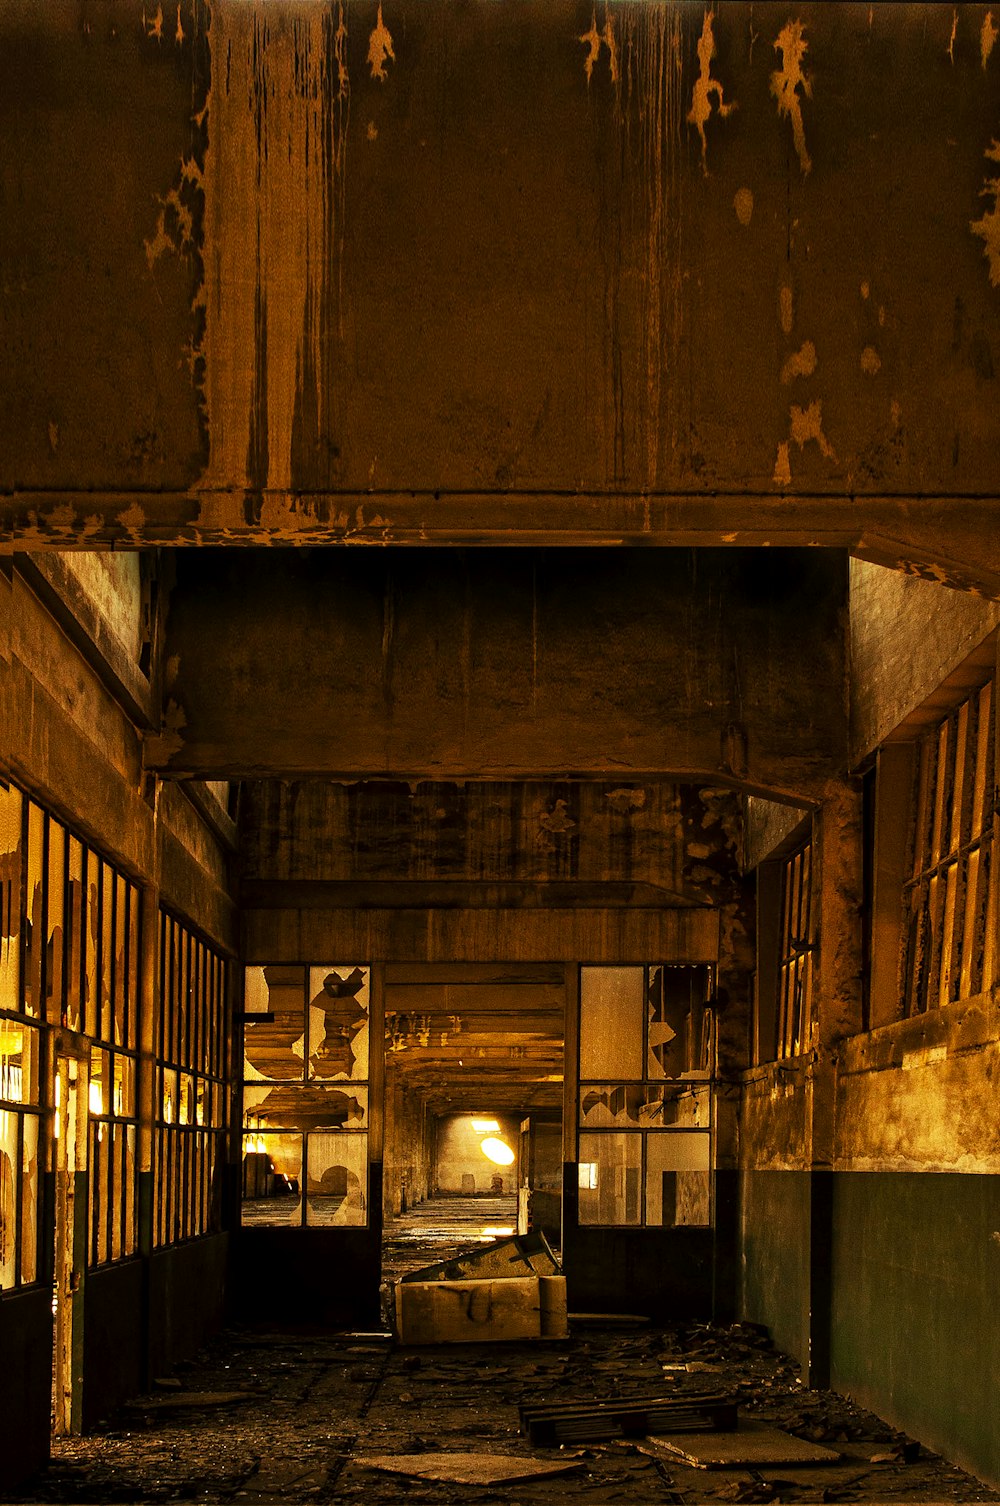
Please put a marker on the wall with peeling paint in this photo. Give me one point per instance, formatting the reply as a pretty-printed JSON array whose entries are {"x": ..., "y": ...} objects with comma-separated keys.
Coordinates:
[{"x": 319, "y": 255}]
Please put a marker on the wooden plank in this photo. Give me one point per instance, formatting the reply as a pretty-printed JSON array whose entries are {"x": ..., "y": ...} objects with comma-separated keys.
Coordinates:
[{"x": 466, "y": 1468}]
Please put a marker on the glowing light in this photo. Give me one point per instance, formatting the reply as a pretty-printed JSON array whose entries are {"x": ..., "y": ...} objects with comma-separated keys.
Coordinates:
[
  {"x": 499, "y": 1232},
  {"x": 12, "y": 1041},
  {"x": 497, "y": 1151},
  {"x": 485, "y": 1126},
  {"x": 96, "y": 1099}
]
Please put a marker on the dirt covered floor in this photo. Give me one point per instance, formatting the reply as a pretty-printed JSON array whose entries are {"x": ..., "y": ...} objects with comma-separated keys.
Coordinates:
[{"x": 269, "y": 1417}]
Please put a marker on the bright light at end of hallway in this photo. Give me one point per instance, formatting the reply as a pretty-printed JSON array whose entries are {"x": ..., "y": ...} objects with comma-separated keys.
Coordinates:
[
  {"x": 497, "y": 1151},
  {"x": 485, "y": 1126}
]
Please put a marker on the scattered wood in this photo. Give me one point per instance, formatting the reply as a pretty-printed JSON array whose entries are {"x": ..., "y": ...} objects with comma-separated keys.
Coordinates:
[{"x": 523, "y": 1255}]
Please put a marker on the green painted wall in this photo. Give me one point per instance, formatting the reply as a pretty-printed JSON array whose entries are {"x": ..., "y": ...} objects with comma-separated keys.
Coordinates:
[
  {"x": 915, "y": 1317},
  {"x": 775, "y": 1221}
]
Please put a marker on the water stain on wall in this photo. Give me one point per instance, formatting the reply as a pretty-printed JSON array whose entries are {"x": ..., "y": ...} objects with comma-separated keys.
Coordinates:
[{"x": 278, "y": 117}]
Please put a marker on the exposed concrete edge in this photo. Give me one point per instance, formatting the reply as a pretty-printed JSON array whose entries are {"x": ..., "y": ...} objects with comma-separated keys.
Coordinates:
[
  {"x": 64, "y": 598},
  {"x": 219, "y": 822}
]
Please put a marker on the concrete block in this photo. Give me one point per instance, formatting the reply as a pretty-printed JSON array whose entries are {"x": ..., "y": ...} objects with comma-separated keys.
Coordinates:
[{"x": 468, "y": 1312}]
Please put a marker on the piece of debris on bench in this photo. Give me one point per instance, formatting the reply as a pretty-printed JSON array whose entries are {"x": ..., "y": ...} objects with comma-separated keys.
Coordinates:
[
  {"x": 467, "y": 1468},
  {"x": 549, "y": 1424},
  {"x": 523, "y": 1255},
  {"x": 749, "y": 1445}
]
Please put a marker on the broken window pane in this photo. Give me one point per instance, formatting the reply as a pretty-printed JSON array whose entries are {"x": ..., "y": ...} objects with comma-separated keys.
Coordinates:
[
  {"x": 614, "y": 1193},
  {"x": 55, "y": 929},
  {"x": 9, "y": 1161},
  {"x": 633, "y": 1106},
  {"x": 611, "y": 1022},
  {"x": 337, "y": 1187},
  {"x": 10, "y": 897},
  {"x": 274, "y": 1048},
  {"x": 677, "y": 1178},
  {"x": 312, "y": 1107},
  {"x": 338, "y": 1022},
  {"x": 272, "y": 1171},
  {"x": 29, "y": 1198},
  {"x": 19, "y": 1059}
]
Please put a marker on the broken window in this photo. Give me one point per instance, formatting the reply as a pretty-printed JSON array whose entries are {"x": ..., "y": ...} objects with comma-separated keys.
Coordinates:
[
  {"x": 645, "y": 1138},
  {"x": 192, "y": 1064},
  {"x": 796, "y": 949},
  {"x": 305, "y": 1095},
  {"x": 947, "y": 942},
  {"x": 20, "y": 1040}
]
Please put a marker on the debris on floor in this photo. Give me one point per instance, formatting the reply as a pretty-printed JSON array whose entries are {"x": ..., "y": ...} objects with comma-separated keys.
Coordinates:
[
  {"x": 509, "y": 1290},
  {"x": 750, "y": 1446},
  {"x": 615, "y": 1417},
  {"x": 468, "y": 1468}
]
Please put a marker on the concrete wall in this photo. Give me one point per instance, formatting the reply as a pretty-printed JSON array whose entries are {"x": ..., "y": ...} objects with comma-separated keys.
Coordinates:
[
  {"x": 908, "y": 639},
  {"x": 458, "y": 1154}
]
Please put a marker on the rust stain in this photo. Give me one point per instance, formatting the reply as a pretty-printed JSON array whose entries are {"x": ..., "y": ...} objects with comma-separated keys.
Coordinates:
[
  {"x": 871, "y": 361},
  {"x": 950, "y": 49},
  {"x": 179, "y": 30},
  {"x": 987, "y": 38},
  {"x": 380, "y": 49},
  {"x": 786, "y": 309},
  {"x": 705, "y": 86},
  {"x": 790, "y": 84},
  {"x": 988, "y": 227}
]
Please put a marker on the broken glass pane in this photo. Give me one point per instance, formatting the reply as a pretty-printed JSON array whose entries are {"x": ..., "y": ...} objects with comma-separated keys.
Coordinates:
[
  {"x": 29, "y": 1199},
  {"x": 677, "y": 1178},
  {"x": 274, "y": 1046},
  {"x": 272, "y": 1171},
  {"x": 338, "y": 1022},
  {"x": 19, "y": 1054},
  {"x": 633, "y": 1106},
  {"x": 611, "y": 1006},
  {"x": 613, "y": 1194},
  {"x": 337, "y": 1187},
  {"x": 314, "y": 1107}
]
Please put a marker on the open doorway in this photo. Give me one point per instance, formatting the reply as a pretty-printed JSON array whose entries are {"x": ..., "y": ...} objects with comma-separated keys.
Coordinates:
[{"x": 473, "y": 1107}]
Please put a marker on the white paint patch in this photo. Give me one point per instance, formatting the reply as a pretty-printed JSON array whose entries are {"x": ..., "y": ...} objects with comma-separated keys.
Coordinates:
[
  {"x": 705, "y": 87},
  {"x": 593, "y": 40},
  {"x": 806, "y": 424},
  {"x": 782, "y": 465},
  {"x": 871, "y": 361},
  {"x": 987, "y": 38},
  {"x": 786, "y": 309},
  {"x": 988, "y": 228},
  {"x": 790, "y": 84},
  {"x": 380, "y": 49},
  {"x": 801, "y": 364},
  {"x": 743, "y": 204}
]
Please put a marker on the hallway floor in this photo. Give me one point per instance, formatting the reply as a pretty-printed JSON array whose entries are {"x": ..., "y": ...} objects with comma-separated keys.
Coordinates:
[{"x": 266, "y": 1417}]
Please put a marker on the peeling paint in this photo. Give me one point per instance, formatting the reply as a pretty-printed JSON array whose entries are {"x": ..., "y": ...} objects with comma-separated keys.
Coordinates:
[
  {"x": 380, "y": 49},
  {"x": 871, "y": 361},
  {"x": 866, "y": 290},
  {"x": 786, "y": 309},
  {"x": 988, "y": 228},
  {"x": 801, "y": 364},
  {"x": 278, "y": 114},
  {"x": 950, "y": 49},
  {"x": 895, "y": 412},
  {"x": 593, "y": 40},
  {"x": 790, "y": 84},
  {"x": 154, "y": 27},
  {"x": 625, "y": 799},
  {"x": 807, "y": 424},
  {"x": 175, "y": 222},
  {"x": 987, "y": 38},
  {"x": 705, "y": 86},
  {"x": 743, "y": 204},
  {"x": 179, "y": 29}
]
